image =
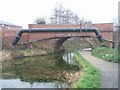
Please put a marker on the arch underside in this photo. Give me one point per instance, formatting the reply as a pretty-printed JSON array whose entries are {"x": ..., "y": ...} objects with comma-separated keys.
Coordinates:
[{"x": 58, "y": 44}]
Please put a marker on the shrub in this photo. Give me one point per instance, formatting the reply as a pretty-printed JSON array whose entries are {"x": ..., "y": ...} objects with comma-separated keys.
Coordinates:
[
  {"x": 119, "y": 51},
  {"x": 108, "y": 54}
]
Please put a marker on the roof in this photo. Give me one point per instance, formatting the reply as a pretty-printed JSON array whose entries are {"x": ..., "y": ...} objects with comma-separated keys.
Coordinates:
[{"x": 7, "y": 23}]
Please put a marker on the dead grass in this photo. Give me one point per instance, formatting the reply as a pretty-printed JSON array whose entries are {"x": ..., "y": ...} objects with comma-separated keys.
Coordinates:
[
  {"x": 19, "y": 53},
  {"x": 6, "y": 55}
]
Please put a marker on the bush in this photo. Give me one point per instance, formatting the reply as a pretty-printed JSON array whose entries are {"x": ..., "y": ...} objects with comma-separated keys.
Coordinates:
[
  {"x": 119, "y": 51},
  {"x": 108, "y": 54}
]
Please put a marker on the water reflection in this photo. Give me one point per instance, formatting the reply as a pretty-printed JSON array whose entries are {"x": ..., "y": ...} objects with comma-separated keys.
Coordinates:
[
  {"x": 0, "y": 84},
  {"x": 38, "y": 72},
  {"x": 17, "y": 83},
  {"x": 69, "y": 58}
]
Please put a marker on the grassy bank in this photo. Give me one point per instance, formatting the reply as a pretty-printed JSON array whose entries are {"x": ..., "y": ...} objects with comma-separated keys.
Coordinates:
[
  {"x": 108, "y": 54},
  {"x": 90, "y": 77}
]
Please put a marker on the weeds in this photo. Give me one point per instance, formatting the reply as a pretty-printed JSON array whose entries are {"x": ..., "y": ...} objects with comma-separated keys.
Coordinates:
[{"x": 108, "y": 54}]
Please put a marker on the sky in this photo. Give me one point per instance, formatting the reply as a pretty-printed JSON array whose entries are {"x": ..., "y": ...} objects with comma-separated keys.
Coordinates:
[{"x": 24, "y": 12}]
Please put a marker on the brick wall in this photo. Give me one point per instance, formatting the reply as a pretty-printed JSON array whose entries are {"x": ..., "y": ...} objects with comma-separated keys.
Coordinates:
[
  {"x": 8, "y": 33},
  {"x": 30, "y": 26},
  {"x": 0, "y": 31},
  {"x": 38, "y": 36},
  {"x": 106, "y": 29}
]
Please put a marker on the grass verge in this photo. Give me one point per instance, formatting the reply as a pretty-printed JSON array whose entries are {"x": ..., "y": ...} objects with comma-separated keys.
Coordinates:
[{"x": 91, "y": 76}]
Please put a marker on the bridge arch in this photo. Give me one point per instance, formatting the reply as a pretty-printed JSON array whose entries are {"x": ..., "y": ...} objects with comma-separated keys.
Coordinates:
[{"x": 58, "y": 44}]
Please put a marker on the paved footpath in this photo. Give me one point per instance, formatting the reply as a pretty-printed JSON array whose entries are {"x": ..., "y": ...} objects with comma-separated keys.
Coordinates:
[{"x": 108, "y": 70}]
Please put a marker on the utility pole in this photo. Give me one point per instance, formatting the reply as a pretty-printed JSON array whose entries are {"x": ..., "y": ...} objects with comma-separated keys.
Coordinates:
[
  {"x": 118, "y": 22},
  {"x": 119, "y": 14}
]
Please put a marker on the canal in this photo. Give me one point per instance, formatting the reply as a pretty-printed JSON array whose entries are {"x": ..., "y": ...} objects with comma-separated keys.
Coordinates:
[{"x": 50, "y": 71}]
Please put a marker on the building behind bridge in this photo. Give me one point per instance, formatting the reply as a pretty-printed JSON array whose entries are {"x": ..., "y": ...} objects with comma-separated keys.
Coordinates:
[
  {"x": 8, "y": 32},
  {"x": 106, "y": 29}
]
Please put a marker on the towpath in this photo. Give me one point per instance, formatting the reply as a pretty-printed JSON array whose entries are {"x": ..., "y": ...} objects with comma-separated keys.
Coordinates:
[{"x": 109, "y": 70}]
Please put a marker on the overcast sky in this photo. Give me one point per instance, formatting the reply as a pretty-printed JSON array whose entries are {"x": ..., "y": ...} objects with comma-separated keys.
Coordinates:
[{"x": 24, "y": 12}]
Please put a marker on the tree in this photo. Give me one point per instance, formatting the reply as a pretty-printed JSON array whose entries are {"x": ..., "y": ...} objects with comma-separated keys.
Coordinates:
[
  {"x": 64, "y": 16},
  {"x": 40, "y": 21}
]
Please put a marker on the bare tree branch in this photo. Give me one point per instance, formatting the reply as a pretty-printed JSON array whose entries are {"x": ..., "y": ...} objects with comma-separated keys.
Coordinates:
[{"x": 64, "y": 16}]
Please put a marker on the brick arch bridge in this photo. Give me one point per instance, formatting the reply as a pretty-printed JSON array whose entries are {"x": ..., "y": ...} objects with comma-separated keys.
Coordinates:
[
  {"x": 58, "y": 44},
  {"x": 62, "y": 33}
]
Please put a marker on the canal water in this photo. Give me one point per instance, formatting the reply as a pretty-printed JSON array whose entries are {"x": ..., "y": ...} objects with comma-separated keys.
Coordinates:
[{"x": 39, "y": 72}]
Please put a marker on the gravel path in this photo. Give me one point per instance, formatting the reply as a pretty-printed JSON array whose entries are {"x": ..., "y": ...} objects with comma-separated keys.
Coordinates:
[{"x": 108, "y": 70}]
